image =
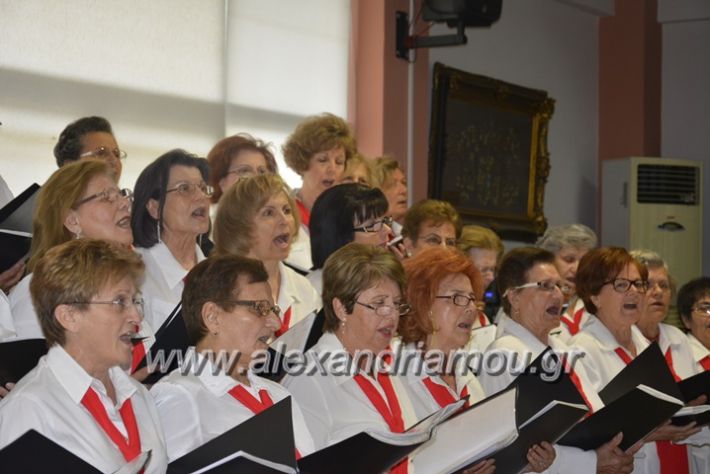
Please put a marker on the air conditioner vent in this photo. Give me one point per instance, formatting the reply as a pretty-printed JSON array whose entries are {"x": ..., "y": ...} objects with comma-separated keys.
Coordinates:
[{"x": 667, "y": 184}]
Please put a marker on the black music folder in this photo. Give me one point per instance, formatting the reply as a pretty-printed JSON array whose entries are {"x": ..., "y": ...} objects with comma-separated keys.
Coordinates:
[
  {"x": 374, "y": 451},
  {"x": 170, "y": 340},
  {"x": 18, "y": 357},
  {"x": 17, "y": 214},
  {"x": 267, "y": 436},
  {"x": 33, "y": 453},
  {"x": 648, "y": 368},
  {"x": 636, "y": 414},
  {"x": 692, "y": 387},
  {"x": 16, "y": 227},
  {"x": 541, "y": 383}
]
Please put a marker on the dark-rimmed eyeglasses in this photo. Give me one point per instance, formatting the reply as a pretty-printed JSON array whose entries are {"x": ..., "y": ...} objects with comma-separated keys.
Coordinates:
[
  {"x": 261, "y": 307},
  {"x": 106, "y": 153},
  {"x": 386, "y": 309},
  {"x": 121, "y": 303},
  {"x": 375, "y": 226},
  {"x": 622, "y": 285},
  {"x": 107, "y": 195},
  {"x": 702, "y": 308},
  {"x": 186, "y": 189},
  {"x": 459, "y": 299}
]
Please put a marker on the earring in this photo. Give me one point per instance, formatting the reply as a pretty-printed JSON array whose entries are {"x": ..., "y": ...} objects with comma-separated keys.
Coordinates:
[
  {"x": 77, "y": 234},
  {"x": 158, "y": 230},
  {"x": 342, "y": 324}
]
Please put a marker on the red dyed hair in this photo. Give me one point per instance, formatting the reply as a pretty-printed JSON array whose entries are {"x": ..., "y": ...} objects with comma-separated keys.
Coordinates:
[
  {"x": 599, "y": 266},
  {"x": 425, "y": 271}
]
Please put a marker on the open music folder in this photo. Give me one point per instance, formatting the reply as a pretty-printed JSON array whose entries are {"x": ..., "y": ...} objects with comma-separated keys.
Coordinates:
[
  {"x": 18, "y": 357},
  {"x": 170, "y": 346},
  {"x": 263, "y": 443},
  {"x": 16, "y": 227}
]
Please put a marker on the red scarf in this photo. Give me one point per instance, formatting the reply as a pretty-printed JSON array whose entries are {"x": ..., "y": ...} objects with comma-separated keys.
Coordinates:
[
  {"x": 304, "y": 213},
  {"x": 243, "y": 396},
  {"x": 389, "y": 410},
  {"x": 673, "y": 457},
  {"x": 443, "y": 395},
  {"x": 130, "y": 448},
  {"x": 285, "y": 324},
  {"x": 705, "y": 362},
  {"x": 573, "y": 325}
]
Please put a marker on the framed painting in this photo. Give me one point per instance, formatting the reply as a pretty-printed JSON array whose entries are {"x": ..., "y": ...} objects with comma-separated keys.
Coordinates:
[{"x": 488, "y": 151}]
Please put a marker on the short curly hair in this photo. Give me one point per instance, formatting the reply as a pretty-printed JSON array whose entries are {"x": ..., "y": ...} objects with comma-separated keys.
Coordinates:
[
  {"x": 68, "y": 147},
  {"x": 432, "y": 210},
  {"x": 597, "y": 267},
  {"x": 220, "y": 158},
  {"x": 314, "y": 135},
  {"x": 382, "y": 169},
  {"x": 425, "y": 272},
  {"x": 479, "y": 237}
]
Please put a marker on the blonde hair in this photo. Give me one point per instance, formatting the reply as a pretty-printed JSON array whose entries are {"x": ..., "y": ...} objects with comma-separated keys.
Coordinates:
[
  {"x": 237, "y": 209},
  {"x": 56, "y": 198},
  {"x": 382, "y": 169},
  {"x": 78, "y": 270},
  {"x": 479, "y": 237},
  {"x": 430, "y": 210},
  {"x": 358, "y": 159},
  {"x": 314, "y": 135}
]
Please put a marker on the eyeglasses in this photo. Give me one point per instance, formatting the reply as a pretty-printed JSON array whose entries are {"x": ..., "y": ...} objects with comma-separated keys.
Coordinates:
[
  {"x": 546, "y": 285},
  {"x": 261, "y": 307},
  {"x": 434, "y": 240},
  {"x": 460, "y": 300},
  {"x": 186, "y": 189},
  {"x": 107, "y": 195},
  {"x": 703, "y": 308},
  {"x": 106, "y": 153},
  {"x": 386, "y": 309},
  {"x": 120, "y": 302},
  {"x": 375, "y": 226},
  {"x": 247, "y": 172},
  {"x": 622, "y": 285}
]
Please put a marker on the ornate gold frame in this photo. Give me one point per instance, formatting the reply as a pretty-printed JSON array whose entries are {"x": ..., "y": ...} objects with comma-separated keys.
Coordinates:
[{"x": 488, "y": 140}]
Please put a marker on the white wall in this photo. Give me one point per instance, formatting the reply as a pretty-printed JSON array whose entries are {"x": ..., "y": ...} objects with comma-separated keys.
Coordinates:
[
  {"x": 551, "y": 46},
  {"x": 685, "y": 106},
  {"x": 166, "y": 73}
]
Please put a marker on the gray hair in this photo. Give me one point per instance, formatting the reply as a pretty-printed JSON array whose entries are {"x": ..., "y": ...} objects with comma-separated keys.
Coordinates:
[
  {"x": 572, "y": 235},
  {"x": 649, "y": 259}
]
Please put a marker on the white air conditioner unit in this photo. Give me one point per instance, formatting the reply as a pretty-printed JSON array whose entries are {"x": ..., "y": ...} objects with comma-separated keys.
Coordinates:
[{"x": 655, "y": 204}]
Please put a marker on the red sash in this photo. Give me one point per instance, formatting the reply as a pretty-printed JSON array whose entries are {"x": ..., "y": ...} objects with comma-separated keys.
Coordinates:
[
  {"x": 138, "y": 355},
  {"x": 243, "y": 396},
  {"x": 705, "y": 362},
  {"x": 482, "y": 319},
  {"x": 442, "y": 395},
  {"x": 573, "y": 325},
  {"x": 577, "y": 383},
  {"x": 389, "y": 410},
  {"x": 285, "y": 324},
  {"x": 673, "y": 457},
  {"x": 131, "y": 448},
  {"x": 304, "y": 213}
]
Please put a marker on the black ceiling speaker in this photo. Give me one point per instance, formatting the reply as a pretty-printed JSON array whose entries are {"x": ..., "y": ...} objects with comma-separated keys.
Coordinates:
[{"x": 468, "y": 12}]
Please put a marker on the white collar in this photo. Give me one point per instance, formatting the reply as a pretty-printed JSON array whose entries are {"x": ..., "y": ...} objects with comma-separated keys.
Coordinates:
[
  {"x": 698, "y": 348},
  {"x": 172, "y": 271},
  {"x": 507, "y": 326},
  {"x": 288, "y": 292},
  {"x": 607, "y": 340},
  {"x": 216, "y": 380},
  {"x": 76, "y": 381},
  {"x": 338, "y": 358}
]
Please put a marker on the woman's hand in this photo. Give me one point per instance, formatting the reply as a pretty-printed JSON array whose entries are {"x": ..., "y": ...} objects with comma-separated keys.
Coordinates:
[
  {"x": 6, "y": 389},
  {"x": 668, "y": 432},
  {"x": 11, "y": 276},
  {"x": 612, "y": 460},
  {"x": 540, "y": 457},
  {"x": 487, "y": 466}
]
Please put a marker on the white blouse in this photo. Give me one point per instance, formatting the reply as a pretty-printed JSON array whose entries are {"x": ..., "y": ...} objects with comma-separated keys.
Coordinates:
[
  {"x": 206, "y": 408},
  {"x": 163, "y": 283},
  {"x": 48, "y": 400},
  {"x": 700, "y": 352},
  {"x": 562, "y": 331},
  {"x": 513, "y": 338},
  {"x": 300, "y": 254},
  {"x": 297, "y": 293},
  {"x": 7, "y": 326},
  {"x": 600, "y": 358},
  {"x": 23, "y": 311},
  {"x": 333, "y": 404}
]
